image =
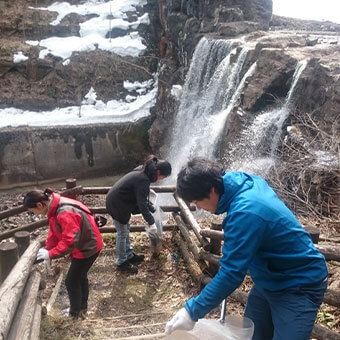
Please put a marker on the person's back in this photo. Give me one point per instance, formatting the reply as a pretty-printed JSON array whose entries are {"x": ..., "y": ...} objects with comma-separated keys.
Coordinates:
[{"x": 282, "y": 252}]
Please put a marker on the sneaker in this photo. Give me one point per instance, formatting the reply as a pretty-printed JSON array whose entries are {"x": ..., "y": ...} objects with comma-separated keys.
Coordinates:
[
  {"x": 136, "y": 259},
  {"x": 127, "y": 267},
  {"x": 66, "y": 311}
]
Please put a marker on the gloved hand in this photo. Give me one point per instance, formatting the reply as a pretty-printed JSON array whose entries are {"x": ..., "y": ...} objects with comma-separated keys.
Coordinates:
[
  {"x": 151, "y": 207},
  {"x": 43, "y": 255},
  {"x": 151, "y": 230},
  {"x": 180, "y": 321}
]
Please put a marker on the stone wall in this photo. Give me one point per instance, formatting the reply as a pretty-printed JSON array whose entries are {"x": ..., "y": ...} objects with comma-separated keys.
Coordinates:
[{"x": 29, "y": 155}]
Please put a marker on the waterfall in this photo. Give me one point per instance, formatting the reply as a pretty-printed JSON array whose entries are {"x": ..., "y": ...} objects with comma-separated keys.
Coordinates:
[
  {"x": 210, "y": 92},
  {"x": 250, "y": 152}
]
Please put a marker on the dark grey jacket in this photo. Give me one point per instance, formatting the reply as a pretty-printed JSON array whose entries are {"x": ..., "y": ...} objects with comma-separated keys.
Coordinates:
[{"x": 129, "y": 195}]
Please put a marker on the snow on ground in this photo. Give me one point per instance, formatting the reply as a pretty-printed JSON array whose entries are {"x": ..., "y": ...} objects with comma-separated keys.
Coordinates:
[
  {"x": 18, "y": 57},
  {"x": 91, "y": 111},
  {"x": 95, "y": 32}
]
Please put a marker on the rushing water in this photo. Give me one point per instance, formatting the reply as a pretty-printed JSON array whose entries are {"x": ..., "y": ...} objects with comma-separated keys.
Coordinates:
[
  {"x": 255, "y": 150},
  {"x": 212, "y": 87}
]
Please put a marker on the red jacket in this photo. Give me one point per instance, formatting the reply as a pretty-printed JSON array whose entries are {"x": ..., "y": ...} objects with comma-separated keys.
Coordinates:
[{"x": 71, "y": 230}]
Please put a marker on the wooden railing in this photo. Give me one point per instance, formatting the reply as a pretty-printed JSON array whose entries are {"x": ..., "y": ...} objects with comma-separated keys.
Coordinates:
[
  {"x": 202, "y": 258},
  {"x": 20, "y": 312}
]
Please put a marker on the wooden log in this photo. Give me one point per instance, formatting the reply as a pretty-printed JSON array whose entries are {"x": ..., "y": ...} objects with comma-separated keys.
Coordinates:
[
  {"x": 12, "y": 212},
  {"x": 165, "y": 208},
  {"x": 215, "y": 248},
  {"x": 212, "y": 234},
  {"x": 27, "y": 227},
  {"x": 104, "y": 190},
  {"x": 332, "y": 297},
  {"x": 322, "y": 333},
  {"x": 70, "y": 183},
  {"x": 12, "y": 288},
  {"x": 22, "y": 239},
  {"x": 35, "y": 329},
  {"x": 331, "y": 252},
  {"x": 190, "y": 219},
  {"x": 329, "y": 239},
  {"x": 23, "y": 319},
  {"x": 54, "y": 293},
  {"x": 314, "y": 233},
  {"x": 73, "y": 192},
  {"x": 8, "y": 258},
  {"x": 185, "y": 232},
  {"x": 210, "y": 258},
  {"x": 192, "y": 266},
  {"x": 135, "y": 228}
]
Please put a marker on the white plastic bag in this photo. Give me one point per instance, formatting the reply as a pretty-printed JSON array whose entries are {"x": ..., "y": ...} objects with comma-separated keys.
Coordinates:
[{"x": 234, "y": 328}]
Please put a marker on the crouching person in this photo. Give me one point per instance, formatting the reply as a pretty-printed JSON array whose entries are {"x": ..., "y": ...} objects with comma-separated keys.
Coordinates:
[
  {"x": 72, "y": 229},
  {"x": 260, "y": 235},
  {"x": 130, "y": 195}
]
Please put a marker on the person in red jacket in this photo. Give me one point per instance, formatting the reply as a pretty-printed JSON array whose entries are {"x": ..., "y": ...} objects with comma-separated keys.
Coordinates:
[{"x": 72, "y": 229}]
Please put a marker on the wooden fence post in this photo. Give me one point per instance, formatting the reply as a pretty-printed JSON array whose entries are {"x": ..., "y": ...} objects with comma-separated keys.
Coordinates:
[
  {"x": 71, "y": 183},
  {"x": 22, "y": 239},
  {"x": 8, "y": 258},
  {"x": 215, "y": 248}
]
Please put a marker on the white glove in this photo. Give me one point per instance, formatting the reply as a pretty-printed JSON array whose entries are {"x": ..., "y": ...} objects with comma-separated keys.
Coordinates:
[
  {"x": 43, "y": 255},
  {"x": 151, "y": 230},
  {"x": 180, "y": 321}
]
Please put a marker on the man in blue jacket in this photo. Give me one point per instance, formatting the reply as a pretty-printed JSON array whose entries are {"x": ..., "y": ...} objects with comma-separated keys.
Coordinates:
[{"x": 260, "y": 235}]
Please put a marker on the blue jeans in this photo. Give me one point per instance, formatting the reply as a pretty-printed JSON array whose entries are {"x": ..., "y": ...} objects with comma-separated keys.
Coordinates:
[
  {"x": 123, "y": 247},
  {"x": 284, "y": 315}
]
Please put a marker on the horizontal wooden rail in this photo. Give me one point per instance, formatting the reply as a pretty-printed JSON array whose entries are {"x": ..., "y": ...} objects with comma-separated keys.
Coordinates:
[
  {"x": 165, "y": 208},
  {"x": 104, "y": 190},
  {"x": 136, "y": 228},
  {"x": 27, "y": 227},
  {"x": 330, "y": 252},
  {"x": 12, "y": 212}
]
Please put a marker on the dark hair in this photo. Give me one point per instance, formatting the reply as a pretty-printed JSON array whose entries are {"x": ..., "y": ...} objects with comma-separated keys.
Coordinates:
[
  {"x": 195, "y": 180},
  {"x": 152, "y": 164},
  {"x": 35, "y": 196}
]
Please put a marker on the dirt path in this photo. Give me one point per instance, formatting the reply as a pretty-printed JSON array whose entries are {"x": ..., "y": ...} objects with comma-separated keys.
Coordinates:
[{"x": 123, "y": 305}]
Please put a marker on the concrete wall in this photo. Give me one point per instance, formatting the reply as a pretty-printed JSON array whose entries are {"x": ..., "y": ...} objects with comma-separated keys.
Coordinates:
[{"x": 32, "y": 155}]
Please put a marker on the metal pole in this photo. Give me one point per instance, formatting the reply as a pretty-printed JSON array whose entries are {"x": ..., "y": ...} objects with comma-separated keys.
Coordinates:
[{"x": 223, "y": 310}]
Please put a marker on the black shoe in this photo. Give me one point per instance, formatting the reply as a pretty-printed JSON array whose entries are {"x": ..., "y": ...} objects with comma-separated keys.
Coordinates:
[
  {"x": 127, "y": 267},
  {"x": 136, "y": 259}
]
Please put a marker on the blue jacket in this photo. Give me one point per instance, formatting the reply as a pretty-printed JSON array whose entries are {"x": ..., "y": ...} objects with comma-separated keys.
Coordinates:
[{"x": 260, "y": 235}]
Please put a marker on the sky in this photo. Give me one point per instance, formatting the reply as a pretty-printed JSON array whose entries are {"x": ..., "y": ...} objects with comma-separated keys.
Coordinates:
[{"x": 308, "y": 9}]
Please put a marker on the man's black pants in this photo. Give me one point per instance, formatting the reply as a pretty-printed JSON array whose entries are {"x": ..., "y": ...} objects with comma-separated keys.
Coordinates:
[{"x": 77, "y": 283}]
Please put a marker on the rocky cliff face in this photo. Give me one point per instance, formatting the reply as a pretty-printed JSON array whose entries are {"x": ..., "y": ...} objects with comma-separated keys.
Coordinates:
[{"x": 277, "y": 44}]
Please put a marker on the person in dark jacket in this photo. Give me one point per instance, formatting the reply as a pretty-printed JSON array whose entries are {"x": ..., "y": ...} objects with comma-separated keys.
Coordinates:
[
  {"x": 71, "y": 230},
  {"x": 262, "y": 236},
  {"x": 129, "y": 195}
]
